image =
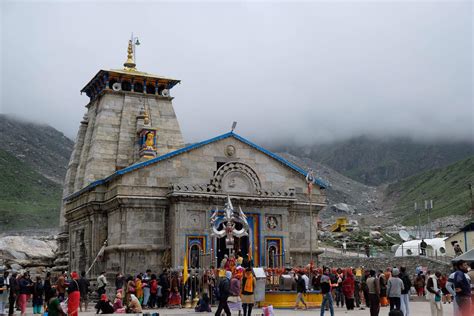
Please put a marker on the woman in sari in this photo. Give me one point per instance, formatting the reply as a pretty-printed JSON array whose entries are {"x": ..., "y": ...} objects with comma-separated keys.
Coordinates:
[
  {"x": 139, "y": 288},
  {"x": 174, "y": 299},
  {"x": 74, "y": 296}
]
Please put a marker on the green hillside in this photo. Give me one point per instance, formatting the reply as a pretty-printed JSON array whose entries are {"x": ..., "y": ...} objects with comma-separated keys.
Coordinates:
[
  {"x": 27, "y": 199},
  {"x": 447, "y": 187},
  {"x": 374, "y": 161}
]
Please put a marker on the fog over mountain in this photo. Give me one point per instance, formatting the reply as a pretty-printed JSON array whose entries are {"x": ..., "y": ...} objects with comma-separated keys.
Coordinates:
[{"x": 287, "y": 72}]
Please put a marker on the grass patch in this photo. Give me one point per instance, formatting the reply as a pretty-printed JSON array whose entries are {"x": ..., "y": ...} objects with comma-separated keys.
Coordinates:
[
  {"x": 27, "y": 199},
  {"x": 447, "y": 187}
]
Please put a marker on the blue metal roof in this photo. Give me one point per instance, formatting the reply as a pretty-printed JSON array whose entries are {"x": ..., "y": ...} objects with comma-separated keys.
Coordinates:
[{"x": 189, "y": 148}]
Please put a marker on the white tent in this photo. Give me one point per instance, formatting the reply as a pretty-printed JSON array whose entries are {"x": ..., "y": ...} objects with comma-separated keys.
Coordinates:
[{"x": 436, "y": 247}]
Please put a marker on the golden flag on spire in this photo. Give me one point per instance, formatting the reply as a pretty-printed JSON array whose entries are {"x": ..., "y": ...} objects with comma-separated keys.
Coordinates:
[{"x": 185, "y": 272}]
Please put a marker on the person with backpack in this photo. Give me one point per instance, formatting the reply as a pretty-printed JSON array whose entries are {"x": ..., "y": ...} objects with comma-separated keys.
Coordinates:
[
  {"x": 223, "y": 294},
  {"x": 38, "y": 292},
  {"x": 348, "y": 289},
  {"x": 405, "y": 297}
]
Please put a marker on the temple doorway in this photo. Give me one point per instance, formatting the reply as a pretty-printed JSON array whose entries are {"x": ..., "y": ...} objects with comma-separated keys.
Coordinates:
[{"x": 240, "y": 245}]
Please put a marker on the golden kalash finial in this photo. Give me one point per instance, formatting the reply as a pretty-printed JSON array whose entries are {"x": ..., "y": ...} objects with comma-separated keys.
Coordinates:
[{"x": 130, "y": 64}]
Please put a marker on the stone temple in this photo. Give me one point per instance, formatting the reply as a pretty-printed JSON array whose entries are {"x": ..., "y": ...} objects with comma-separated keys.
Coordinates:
[{"x": 132, "y": 182}]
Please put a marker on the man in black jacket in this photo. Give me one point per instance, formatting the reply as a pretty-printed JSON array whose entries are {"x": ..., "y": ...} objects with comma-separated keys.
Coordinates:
[
  {"x": 405, "y": 297},
  {"x": 84, "y": 284},
  {"x": 224, "y": 292},
  {"x": 300, "y": 290}
]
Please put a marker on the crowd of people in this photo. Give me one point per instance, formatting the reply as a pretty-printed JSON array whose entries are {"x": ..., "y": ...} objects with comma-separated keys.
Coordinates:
[
  {"x": 390, "y": 288},
  {"x": 70, "y": 293},
  {"x": 232, "y": 288}
]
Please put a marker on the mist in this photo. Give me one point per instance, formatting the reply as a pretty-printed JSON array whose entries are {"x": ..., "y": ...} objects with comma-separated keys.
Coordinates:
[{"x": 301, "y": 73}]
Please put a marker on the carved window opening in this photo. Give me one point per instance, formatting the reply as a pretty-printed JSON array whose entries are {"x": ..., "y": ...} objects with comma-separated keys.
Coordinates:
[
  {"x": 126, "y": 85},
  {"x": 138, "y": 87},
  {"x": 111, "y": 83},
  {"x": 150, "y": 89},
  {"x": 160, "y": 89}
]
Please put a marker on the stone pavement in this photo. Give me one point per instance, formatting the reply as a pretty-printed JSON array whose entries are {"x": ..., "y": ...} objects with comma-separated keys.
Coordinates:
[{"x": 417, "y": 309}]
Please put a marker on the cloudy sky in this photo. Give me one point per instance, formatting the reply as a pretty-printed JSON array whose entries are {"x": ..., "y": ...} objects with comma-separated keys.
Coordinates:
[{"x": 305, "y": 72}]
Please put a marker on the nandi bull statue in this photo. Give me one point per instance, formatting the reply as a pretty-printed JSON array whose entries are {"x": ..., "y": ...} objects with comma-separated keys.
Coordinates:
[{"x": 231, "y": 217}]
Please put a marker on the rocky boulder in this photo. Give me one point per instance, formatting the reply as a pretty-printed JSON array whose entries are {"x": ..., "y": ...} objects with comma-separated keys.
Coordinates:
[
  {"x": 19, "y": 252},
  {"x": 343, "y": 208}
]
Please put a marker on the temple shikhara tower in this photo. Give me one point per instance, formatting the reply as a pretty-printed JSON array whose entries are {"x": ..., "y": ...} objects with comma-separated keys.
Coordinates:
[{"x": 133, "y": 184}]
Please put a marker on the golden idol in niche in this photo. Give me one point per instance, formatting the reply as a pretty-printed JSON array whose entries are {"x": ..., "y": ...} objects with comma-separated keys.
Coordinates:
[{"x": 150, "y": 141}]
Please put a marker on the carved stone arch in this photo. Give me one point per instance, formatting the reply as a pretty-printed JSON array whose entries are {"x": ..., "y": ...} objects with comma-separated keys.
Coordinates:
[{"x": 236, "y": 177}]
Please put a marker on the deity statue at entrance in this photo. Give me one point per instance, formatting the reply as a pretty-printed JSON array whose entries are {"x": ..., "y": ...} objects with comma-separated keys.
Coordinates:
[{"x": 231, "y": 218}]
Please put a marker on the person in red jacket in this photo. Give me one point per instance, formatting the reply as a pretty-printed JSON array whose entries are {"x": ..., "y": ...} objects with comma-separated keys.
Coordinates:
[{"x": 348, "y": 289}]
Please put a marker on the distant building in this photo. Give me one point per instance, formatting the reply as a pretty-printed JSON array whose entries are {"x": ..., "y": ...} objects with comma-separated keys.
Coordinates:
[
  {"x": 132, "y": 181},
  {"x": 464, "y": 237}
]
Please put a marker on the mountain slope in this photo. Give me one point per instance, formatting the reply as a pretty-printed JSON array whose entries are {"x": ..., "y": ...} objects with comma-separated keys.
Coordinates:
[
  {"x": 33, "y": 164},
  {"x": 447, "y": 187},
  {"x": 376, "y": 161},
  {"x": 42, "y": 147},
  {"x": 341, "y": 189},
  {"x": 27, "y": 198}
]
